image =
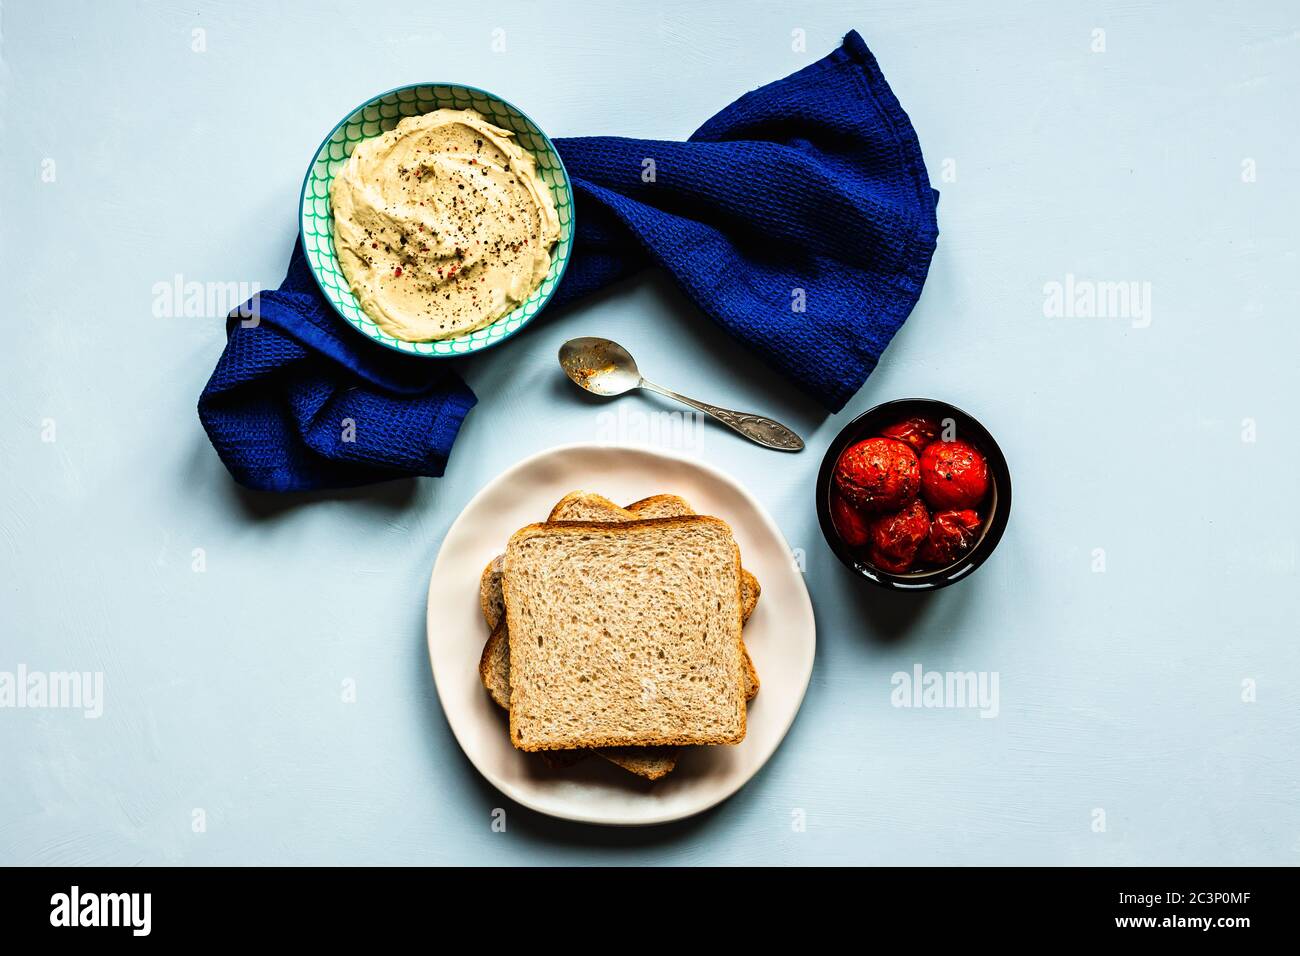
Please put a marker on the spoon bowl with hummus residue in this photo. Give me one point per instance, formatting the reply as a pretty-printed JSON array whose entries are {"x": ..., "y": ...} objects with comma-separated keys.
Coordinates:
[{"x": 437, "y": 219}]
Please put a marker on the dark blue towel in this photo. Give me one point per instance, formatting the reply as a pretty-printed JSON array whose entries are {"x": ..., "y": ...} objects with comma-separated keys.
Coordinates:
[{"x": 800, "y": 218}]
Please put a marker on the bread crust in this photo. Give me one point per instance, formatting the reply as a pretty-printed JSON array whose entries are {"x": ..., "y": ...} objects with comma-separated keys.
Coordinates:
[{"x": 515, "y": 629}]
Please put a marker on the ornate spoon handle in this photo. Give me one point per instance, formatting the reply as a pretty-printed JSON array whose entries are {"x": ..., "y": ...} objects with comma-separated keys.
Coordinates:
[{"x": 757, "y": 428}]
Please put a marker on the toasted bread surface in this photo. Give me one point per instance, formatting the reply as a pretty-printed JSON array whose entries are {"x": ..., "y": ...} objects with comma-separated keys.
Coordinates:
[
  {"x": 661, "y": 506},
  {"x": 490, "y": 598},
  {"x": 588, "y": 506},
  {"x": 494, "y": 666},
  {"x": 624, "y": 634}
]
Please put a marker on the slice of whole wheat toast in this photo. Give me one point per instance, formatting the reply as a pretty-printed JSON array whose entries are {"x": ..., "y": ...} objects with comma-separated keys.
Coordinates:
[
  {"x": 585, "y": 506},
  {"x": 624, "y": 634},
  {"x": 494, "y": 665}
]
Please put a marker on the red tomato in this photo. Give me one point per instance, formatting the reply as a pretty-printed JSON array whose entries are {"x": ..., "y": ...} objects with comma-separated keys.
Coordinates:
[
  {"x": 917, "y": 431},
  {"x": 954, "y": 475},
  {"x": 896, "y": 537},
  {"x": 853, "y": 527},
  {"x": 952, "y": 534},
  {"x": 878, "y": 474}
]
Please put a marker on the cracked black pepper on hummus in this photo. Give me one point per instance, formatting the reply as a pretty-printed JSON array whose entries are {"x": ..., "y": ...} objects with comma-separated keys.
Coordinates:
[{"x": 442, "y": 225}]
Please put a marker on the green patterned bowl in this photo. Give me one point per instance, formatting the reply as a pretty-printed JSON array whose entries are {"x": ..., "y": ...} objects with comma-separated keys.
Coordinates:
[{"x": 381, "y": 114}]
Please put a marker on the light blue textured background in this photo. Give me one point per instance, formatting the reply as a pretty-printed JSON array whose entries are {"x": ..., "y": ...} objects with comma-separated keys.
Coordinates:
[{"x": 1120, "y": 690}]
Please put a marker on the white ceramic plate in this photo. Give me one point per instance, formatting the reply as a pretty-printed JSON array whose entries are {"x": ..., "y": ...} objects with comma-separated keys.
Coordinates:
[{"x": 780, "y": 635}]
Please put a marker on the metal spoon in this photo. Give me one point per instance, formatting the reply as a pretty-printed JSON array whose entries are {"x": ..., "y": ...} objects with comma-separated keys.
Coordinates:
[{"x": 606, "y": 368}]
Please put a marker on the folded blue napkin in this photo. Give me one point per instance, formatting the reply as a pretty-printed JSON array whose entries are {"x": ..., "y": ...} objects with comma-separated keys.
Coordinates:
[{"x": 799, "y": 218}]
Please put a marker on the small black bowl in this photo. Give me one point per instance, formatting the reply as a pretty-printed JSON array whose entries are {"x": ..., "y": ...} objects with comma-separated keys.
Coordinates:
[{"x": 997, "y": 507}]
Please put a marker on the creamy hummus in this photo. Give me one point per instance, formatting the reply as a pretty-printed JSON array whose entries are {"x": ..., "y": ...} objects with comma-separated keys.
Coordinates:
[{"x": 442, "y": 225}]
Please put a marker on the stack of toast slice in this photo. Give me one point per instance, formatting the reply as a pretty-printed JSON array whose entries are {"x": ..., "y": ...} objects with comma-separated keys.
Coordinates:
[{"x": 625, "y": 626}]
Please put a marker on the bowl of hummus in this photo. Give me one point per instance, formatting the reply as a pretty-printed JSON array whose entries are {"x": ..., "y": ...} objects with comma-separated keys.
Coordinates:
[{"x": 437, "y": 219}]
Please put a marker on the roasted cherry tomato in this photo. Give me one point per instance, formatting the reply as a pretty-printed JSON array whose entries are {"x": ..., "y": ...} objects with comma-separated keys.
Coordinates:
[
  {"x": 952, "y": 534},
  {"x": 954, "y": 475},
  {"x": 917, "y": 431},
  {"x": 853, "y": 526},
  {"x": 878, "y": 474},
  {"x": 896, "y": 537}
]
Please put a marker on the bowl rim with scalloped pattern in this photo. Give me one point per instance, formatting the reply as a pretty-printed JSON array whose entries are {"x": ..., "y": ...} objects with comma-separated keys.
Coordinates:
[{"x": 318, "y": 246}]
